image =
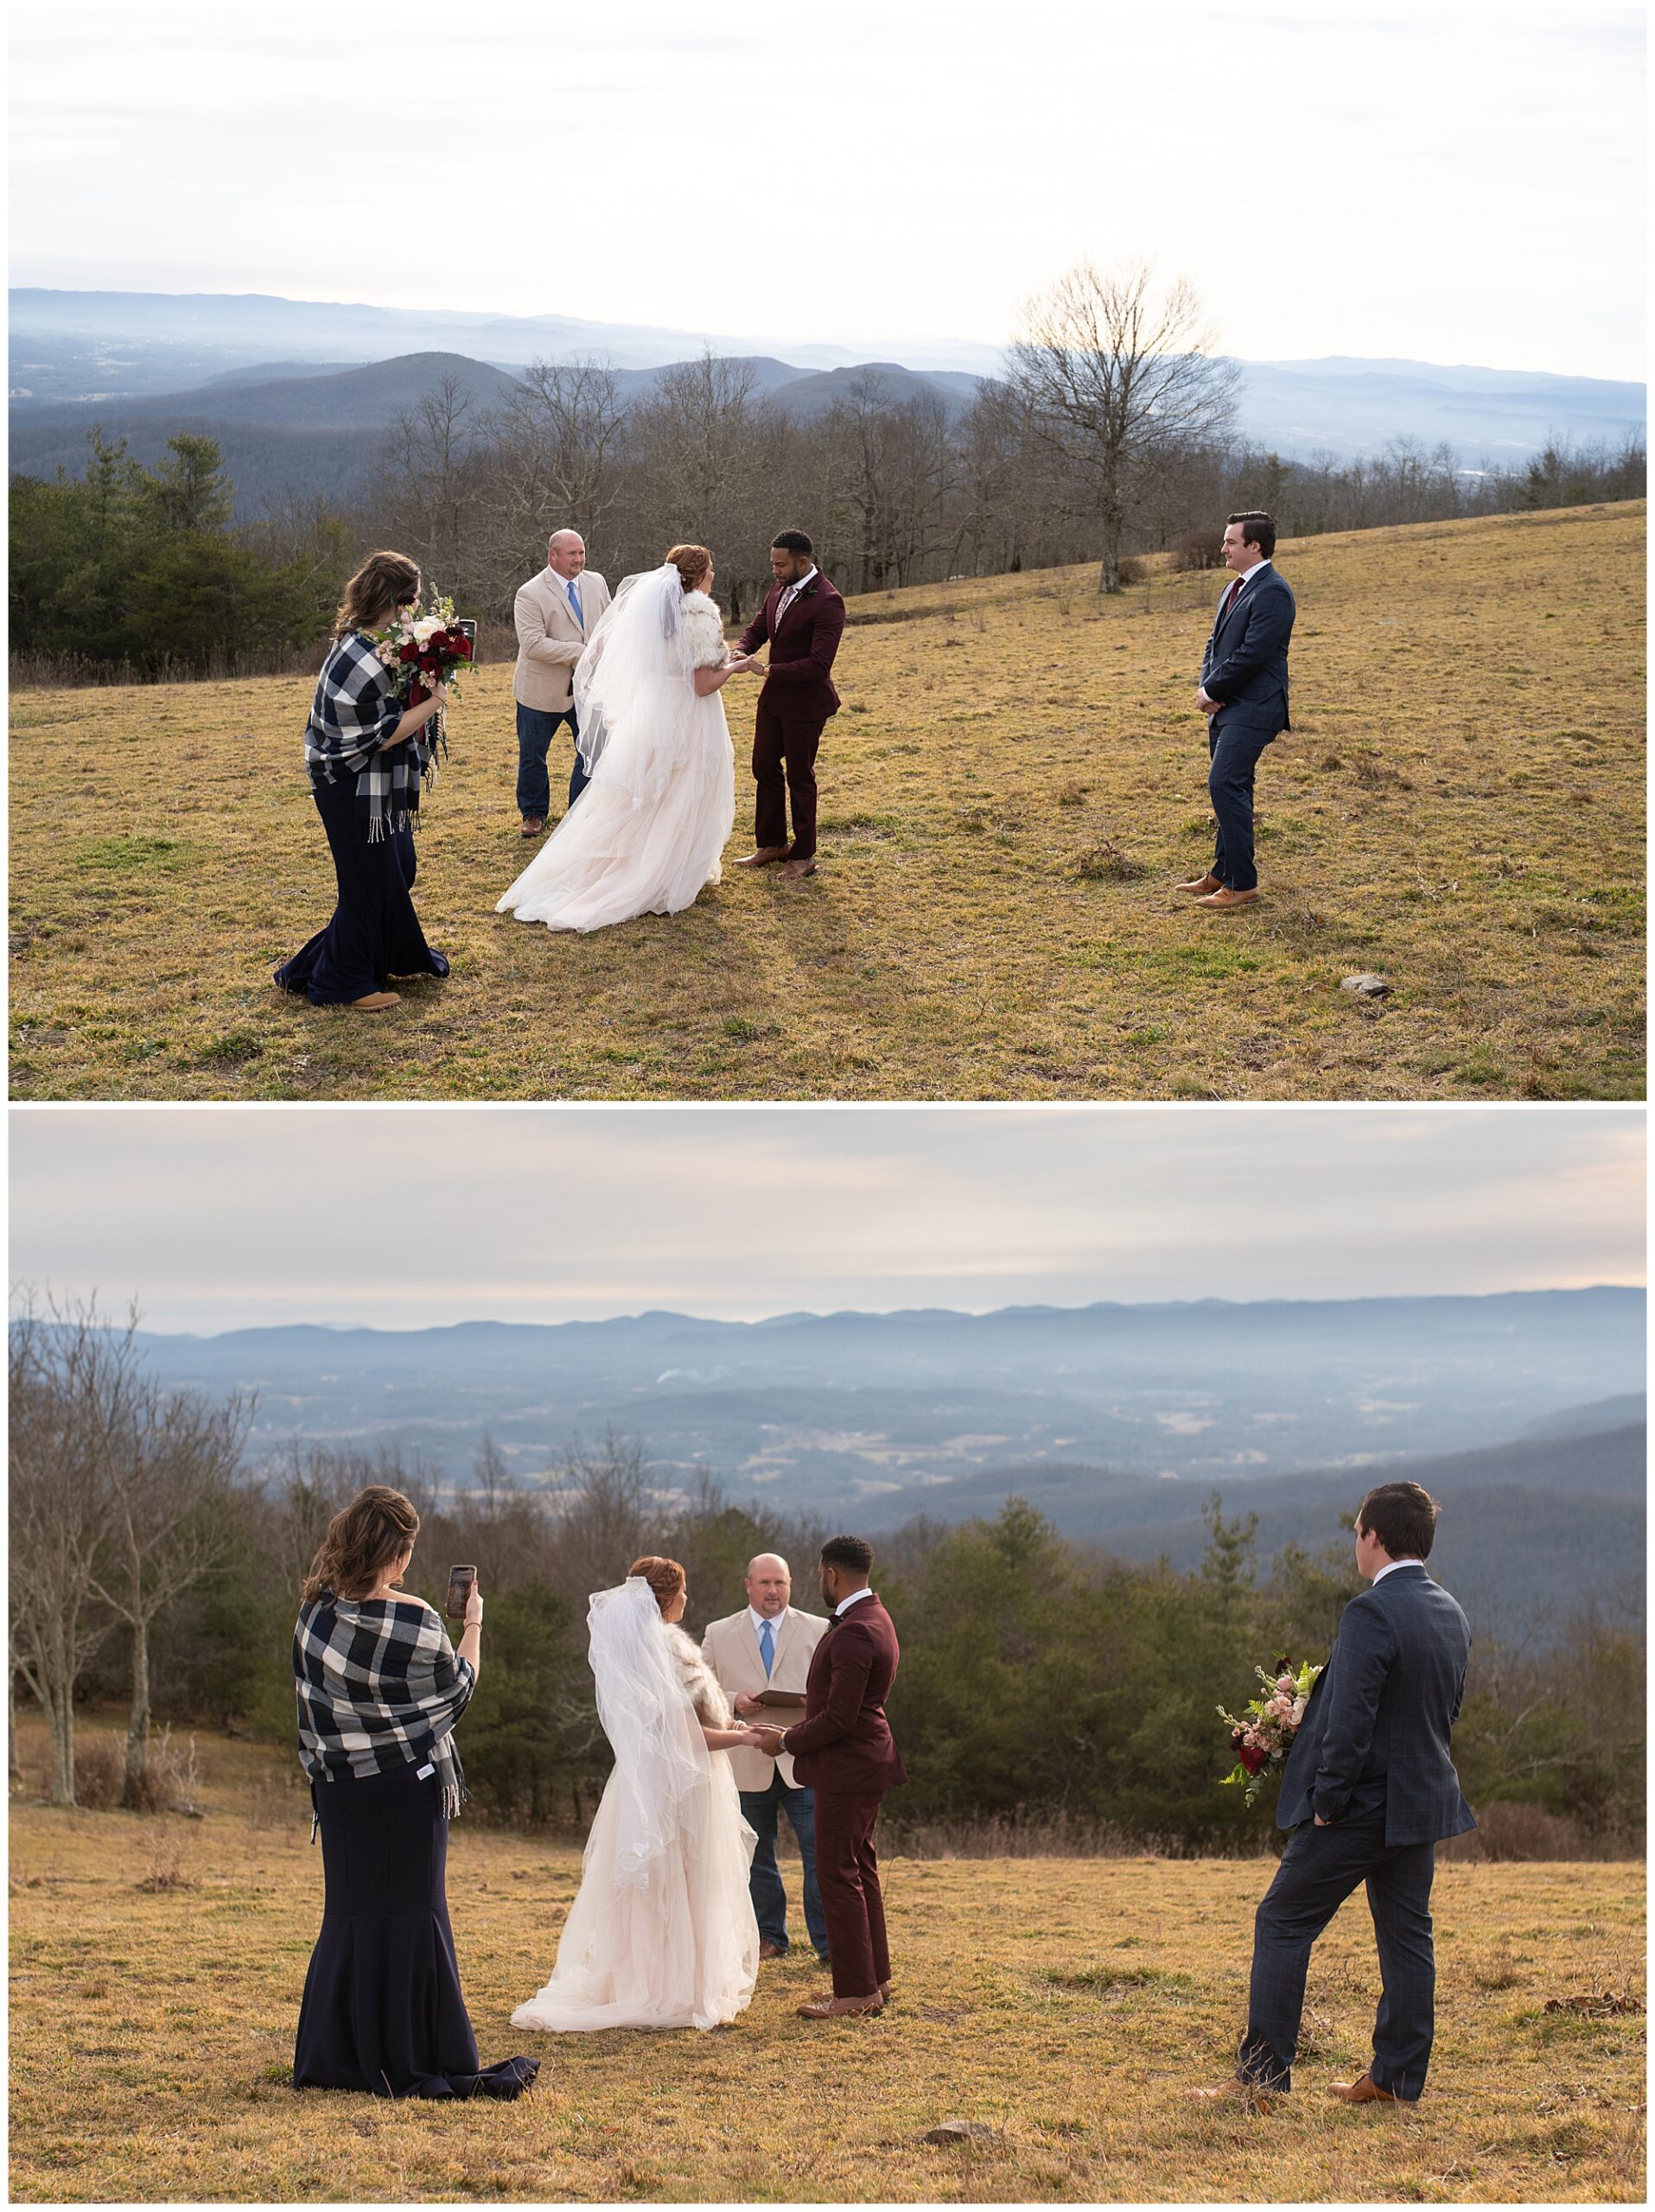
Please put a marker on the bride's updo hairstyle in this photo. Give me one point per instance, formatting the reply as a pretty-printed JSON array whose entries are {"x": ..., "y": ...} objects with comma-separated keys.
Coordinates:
[
  {"x": 665, "y": 1576},
  {"x": 692, "y": 563},
  {"x": 370, "y": 1535},
  {"x": 382, "y": 583}
]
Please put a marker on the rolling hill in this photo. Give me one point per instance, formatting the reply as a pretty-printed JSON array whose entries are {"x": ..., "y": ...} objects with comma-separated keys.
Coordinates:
[
  {"x": 146, "y": 365},
  {"x": 1118, "y": 1422}
]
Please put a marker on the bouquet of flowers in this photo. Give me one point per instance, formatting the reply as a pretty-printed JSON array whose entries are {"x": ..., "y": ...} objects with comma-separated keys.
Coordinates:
[
  {"x": 1263, "y": 1737},
  {"x": 422, "y": 651}
]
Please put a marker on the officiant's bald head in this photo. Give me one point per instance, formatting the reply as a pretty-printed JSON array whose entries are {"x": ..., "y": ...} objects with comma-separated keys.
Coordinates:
[{"x": 769, "y": 1584}]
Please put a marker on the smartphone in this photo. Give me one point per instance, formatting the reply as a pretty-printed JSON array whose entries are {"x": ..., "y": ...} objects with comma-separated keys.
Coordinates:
[{"x": 461, "y": 1580}]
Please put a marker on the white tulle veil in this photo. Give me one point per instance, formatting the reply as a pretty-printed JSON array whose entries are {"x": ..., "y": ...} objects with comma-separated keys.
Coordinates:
[
  {"x": 660, "y": 1754},
  {"x": 634, "y": 688}
]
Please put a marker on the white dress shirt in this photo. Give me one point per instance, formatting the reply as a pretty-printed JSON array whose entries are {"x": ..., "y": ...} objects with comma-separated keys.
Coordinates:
[
  {"x": 845, "y": 1604},
  {"x": 791, "y": 594},
  {"x": 1391, "y": 1567}
]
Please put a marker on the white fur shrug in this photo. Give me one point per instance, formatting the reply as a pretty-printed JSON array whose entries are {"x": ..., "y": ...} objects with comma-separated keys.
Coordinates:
[
  {"x": 703, "y": 626},
  {"x": 712, "y": 1707}
]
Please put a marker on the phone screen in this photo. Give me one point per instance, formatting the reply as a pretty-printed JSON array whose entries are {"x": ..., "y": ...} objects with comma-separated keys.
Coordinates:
[{"x": 460, "y": 1581}]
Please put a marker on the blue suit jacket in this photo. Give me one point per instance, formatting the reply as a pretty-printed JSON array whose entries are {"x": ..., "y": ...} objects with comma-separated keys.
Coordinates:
[
  {"x": 1245, "y": 667},
  {"x": 1376, "y": 1730}
]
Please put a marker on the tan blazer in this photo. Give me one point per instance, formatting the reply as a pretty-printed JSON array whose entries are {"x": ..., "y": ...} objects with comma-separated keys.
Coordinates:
[
  {"x": 731, "y": 1647},
  {"x": 549, "y": 639}
]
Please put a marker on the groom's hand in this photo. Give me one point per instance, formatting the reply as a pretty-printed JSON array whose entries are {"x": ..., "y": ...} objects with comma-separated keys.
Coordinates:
[
  {"x": 1207, "y": 706},
  {"x": 769, "y": 1741}
]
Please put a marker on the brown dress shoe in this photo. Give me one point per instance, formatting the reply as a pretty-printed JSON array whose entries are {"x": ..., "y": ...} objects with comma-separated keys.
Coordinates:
[
  {"x": 1365, "y": 2092},
  {"x": 834, "y": 2008},
  {"x": 765, "y": 855},
  {"x": 1223, "y": 900},
  {"x": 769, "y": 1950},
  {"x": 1236, "y": 2091},
  {"x": 796, "y": 867},
  {"x": 533, "y": 825},
  {"x": 374, "y": 1002},
  {"x": 1200, "y": 883}
]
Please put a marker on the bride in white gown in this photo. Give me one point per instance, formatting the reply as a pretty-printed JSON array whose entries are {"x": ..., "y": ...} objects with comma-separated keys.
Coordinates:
[
  {"x": 662, "y": 1932},
  {"x": 647, "y": 831}
]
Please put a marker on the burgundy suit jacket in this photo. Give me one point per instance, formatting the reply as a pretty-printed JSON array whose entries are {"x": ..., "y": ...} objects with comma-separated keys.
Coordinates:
[
  {"x": 844, "y": 1743},
  {"x": 800, "y": 686}
]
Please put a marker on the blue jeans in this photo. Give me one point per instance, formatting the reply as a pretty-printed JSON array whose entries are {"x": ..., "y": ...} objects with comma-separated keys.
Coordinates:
[
  {"x": 1233, "y": 746},
  {"x": 535, "y": 731},
  {"x": 761, "y": 1810}
]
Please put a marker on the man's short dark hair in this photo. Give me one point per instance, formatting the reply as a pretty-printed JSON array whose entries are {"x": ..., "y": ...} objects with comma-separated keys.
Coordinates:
[
  {"x": 1256, "y": 529},
  {"x": 792, "y": 541},
  {"x": 1403, "y": 1518},
  {"x": 854, "y": 1554}
]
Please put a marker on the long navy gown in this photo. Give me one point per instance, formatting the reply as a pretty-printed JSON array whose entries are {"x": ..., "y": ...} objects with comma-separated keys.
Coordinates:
[
  {"x": 382, "y": 2009},
  {"x": 374, "y": 933}
]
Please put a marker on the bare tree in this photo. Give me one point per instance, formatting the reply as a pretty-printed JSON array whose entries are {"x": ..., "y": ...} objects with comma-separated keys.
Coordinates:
[
  {"x": 73, "y": 1385},
  {"x": 170, "y": 1471},
  {"x": 432, "y": 492},
  {"x": 553, "y": 444},
  {"x": 710, "y": 457},
  {"x": 1118, "y": 377}
]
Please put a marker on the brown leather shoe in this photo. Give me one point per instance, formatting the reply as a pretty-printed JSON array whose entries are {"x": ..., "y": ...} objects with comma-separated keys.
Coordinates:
[
  {"x": 374, "y": 1002},
  {"x": 1365, "y": 2092},
  {"x": 764, "y": 857},
  {"x": 796, "y": 867},
  {"x": 1224, "y": 900},
  {"x": 769, "y": 1950},
  {"x": 885, "y": 1992},
  {"x": 1200, "y": 883},
  {"x": 1236, "y": 2091},
  {"x": 834, "y": 2008},
  {"x": 533, "y": 825}
]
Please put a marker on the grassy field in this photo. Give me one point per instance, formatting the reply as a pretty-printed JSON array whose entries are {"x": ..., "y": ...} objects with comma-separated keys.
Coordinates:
[
  {"x": 1062, "y": 2006},
  {"x": 1016, "y": 782}
]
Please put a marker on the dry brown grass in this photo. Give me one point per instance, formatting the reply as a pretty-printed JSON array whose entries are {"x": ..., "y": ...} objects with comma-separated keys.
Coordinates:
[
  {"x": 1065, "y": 2005},
  {"x": 1015, "y": 784}
]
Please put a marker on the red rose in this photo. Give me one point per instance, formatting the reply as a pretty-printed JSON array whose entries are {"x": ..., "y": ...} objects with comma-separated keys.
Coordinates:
[
  {"x": 410, "y": 652},
  {"x": 463, "y": 646},
  {"x": 1252, "y": 1758}
]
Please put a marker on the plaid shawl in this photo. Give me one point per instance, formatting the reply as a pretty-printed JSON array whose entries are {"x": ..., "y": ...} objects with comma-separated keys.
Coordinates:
[
  {"x": 378, "y": 1683},
  {"x": 354, "y": 710}
]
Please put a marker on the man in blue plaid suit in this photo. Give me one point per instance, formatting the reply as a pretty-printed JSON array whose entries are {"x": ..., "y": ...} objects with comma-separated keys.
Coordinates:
[{"x": 1368, "y": 1790}]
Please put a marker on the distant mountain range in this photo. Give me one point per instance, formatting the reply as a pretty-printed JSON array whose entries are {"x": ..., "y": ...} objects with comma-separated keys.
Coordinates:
[
  {"x": 915, "y": 1407},
  {"x": 291, "y": 388},
  {"x": 1118, "y": 1421}
]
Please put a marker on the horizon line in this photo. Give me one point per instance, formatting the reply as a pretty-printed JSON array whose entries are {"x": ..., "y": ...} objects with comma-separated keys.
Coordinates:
[
  {"x": 668, "y": 330},
  {"x": 891, "y": 1312}
]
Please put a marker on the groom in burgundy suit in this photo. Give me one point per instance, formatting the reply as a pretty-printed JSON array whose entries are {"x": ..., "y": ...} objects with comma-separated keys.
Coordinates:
[
  {"x": 803, "y": 618},
  {"x": 843, "y": 1751}
]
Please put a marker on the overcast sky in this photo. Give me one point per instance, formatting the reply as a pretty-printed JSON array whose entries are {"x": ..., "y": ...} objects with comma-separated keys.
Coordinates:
[
  {"x": 1455, "y": 183},
  {"x": 227, "y": 1218}
]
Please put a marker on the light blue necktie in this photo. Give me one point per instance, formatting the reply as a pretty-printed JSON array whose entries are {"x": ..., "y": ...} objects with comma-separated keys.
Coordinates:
[
  {"x": 767, "y": 1648},
  {"x": 575, "y": 601}
]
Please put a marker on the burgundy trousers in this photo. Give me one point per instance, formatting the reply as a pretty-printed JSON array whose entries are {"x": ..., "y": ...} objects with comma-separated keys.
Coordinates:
[
  {"x": 847, "y": 1874},
  {"x": 784, "y": 767}
]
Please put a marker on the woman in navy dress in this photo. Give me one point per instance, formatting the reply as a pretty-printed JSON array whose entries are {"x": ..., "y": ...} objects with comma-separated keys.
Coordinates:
[
  {"x": 368, "y": 756},
  {"x": 380, "y": 1690}
]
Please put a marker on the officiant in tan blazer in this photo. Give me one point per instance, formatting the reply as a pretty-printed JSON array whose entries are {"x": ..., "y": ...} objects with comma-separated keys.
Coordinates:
[
  {"x": 555, "y": 613},
  {"x": 768, "y": 1645}
]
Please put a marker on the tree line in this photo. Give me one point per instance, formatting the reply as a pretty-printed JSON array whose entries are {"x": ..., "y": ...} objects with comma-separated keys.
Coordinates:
[
  {"x": 1044, "y": 1685},
  {"x": 1110, "y": 435}
]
